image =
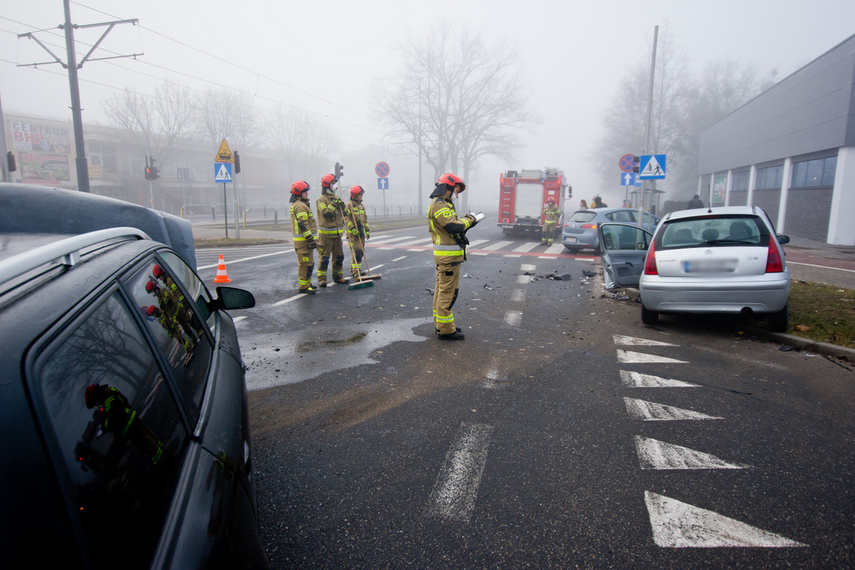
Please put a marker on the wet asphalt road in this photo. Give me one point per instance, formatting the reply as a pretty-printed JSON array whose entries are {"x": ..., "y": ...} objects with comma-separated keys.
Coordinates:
[{"x": 527, "y": 444}]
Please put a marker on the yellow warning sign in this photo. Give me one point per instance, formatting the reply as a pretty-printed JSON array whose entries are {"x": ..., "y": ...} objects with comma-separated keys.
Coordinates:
[{"x": 225, "y": 153}]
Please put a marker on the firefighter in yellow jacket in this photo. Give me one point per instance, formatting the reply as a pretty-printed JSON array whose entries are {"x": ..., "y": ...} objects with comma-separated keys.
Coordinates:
[
  {"x": 304, "y": 229},
  {"x": 357, "y": 228},
  {"x": 551, "y": 213},
  {"x": 447, "y": 233},
  {"x": 330, "y": 229}
]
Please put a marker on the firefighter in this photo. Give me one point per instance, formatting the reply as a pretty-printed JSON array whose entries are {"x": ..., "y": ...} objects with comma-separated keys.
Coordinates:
[
  {"x": 119, "y": 418},
  {"x": 330, "y": 228},
  {"x": 357, "y": 228},
  {"x": 551, "y": 213},
  {"x": 304, "y": 228},
  {"x": 447, "y": 232}
]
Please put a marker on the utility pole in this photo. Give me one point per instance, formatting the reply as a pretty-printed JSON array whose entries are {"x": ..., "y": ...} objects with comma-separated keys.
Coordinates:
[
  {"x": 72, "y": 66},
  {"x": 649, "y": 120}
]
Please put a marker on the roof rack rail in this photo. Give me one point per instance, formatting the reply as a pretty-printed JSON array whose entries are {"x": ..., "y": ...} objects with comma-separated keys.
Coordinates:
[{"x": 68, "y": 250}]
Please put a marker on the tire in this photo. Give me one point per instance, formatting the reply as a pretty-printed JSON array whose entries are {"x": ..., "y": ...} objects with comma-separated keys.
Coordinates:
[
  {"x": 780, "y": 321},
  {"x": 648, "y": 317}
]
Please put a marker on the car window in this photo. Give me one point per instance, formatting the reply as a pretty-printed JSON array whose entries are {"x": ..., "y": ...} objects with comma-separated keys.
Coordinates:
[
  {"x": 625, "y": 237},
  {"x": 629, "y": 216},
  {"x": 176, "y": 328},
  {"x": 712, "y": 231},
  {"x": 119, "y": 431},
  {"x": 192, "y": 283},
  {"x": 583, "y": 216}
]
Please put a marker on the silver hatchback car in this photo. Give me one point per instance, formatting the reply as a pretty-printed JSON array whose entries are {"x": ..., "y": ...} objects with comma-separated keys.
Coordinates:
[{"x": 721, "y": 260}]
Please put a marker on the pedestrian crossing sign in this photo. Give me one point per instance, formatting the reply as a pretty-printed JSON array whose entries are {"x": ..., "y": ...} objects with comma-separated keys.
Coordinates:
[
  {"x": 222, "y": 172},
  {"x": 651, "y": 167}
]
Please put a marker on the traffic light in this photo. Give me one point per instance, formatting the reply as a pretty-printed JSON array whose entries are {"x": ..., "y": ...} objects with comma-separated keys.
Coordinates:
[
  {"x": 237, "y": 162},
  {"x": 339, "y": 171},
  {"x": 635, "y": 161},
  {"x": 10, "y": 161},
  {"x": 152, "y": 171},
  {"x": 147, "y": 170}
]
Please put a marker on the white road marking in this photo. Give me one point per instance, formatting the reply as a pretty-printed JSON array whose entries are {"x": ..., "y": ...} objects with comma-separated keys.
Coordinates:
[
  {"x": 453, "y": 495},
  {"x": 497, "y": 245},
  {"x": 555, "y": 248},
  {"x": 477, "y": 242},
  {"x": 523, "y": 279},
  {"x": 635, "y": 341},
  {"x": 418, "y": 250},
  {"x": 227, "y": 262},
  {"x": 376, "y": 267},
  {"x": 528, "y": 267},
  {"x": 390, "y": 239},
  {"x": 400, "y": 258},
  {"x": 511, "y": 255},
  {"x": 653, "y": 412},
  {"x": 289, "y": 299},
  {"x": 495, "y": 374},
  {"x": 546, "y": 257},
  {"x": 236, "y": 319},
  {"x": 630, "y": 357},
  {"x": 518, "y": 295},
  {"x": 638, "y": 380},
  {"x": 655, "y": 454},
  {"x": 422, "y": 241},
  {"x": 513, "y": 318},
  {"x": 679, "y": 525},
  {"x": 527, "y": 246}
]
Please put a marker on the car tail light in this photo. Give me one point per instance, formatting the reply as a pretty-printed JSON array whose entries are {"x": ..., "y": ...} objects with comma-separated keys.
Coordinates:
[
  {"x": 650, "y": 264},
  {"x": 589, "y": 226},
  {"x": 774, "y": 263}
]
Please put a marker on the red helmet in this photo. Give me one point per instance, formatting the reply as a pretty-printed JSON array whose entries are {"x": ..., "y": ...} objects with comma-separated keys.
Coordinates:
[
  {"x": 158, "y": 271},
  {"x": 328, "y": 180},
  {"x": 356, "y": 191},
  {"x": 299, "y": 187},
  {"x": 150, "y": 287},
  {"x": 151, "y": 310},
  {"x": 451, "y": 180}
]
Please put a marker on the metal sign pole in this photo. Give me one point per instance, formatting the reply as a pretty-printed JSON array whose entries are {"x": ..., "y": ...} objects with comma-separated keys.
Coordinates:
[{"x": 225, "y": 210}]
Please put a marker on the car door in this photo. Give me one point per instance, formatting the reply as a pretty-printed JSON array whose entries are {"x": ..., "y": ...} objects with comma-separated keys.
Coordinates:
[{"x": 623, "y": 251}]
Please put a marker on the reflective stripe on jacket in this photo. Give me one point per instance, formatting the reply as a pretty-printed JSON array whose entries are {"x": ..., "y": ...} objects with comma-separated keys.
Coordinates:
[
  {"x": 442, "y": 223},
  {"x": 301, "y": 215}
]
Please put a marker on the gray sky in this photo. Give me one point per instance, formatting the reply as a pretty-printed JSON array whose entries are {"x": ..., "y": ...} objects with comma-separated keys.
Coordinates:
[{"x": 326, "y": 56}]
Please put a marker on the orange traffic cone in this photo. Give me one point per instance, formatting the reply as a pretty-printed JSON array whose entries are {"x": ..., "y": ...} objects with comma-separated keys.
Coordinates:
[{"x": 222, "y": 276}]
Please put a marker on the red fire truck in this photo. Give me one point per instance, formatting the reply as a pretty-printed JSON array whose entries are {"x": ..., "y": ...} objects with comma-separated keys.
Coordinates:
[{"x": 523, "y": 195}]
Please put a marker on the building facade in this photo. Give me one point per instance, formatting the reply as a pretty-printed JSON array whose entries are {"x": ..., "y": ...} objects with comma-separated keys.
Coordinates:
[{"x": 791, "y": 151}]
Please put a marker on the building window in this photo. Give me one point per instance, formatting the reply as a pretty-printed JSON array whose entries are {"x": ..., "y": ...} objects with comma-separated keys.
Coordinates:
[
  {"x": 770, "y": 178},
  {"x": 740, "y": 180},
  {"x": 815, "y": 173},
  {"x": 103, "y": 155}
]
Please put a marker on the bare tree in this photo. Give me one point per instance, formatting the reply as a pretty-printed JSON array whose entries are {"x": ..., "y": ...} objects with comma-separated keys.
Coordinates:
[
  {"x": 224, "y": 114},
  {"x": 155, "y": 123},
  {"x": 683, "y": 107},
  {"x": 304, "y": 143},
  {"x": 459, "y": 100}
]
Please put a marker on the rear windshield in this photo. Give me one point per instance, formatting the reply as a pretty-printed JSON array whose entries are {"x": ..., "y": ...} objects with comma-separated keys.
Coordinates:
[
  {"x": 712, "y": 232},
  {"x": 583, "y": 216}
]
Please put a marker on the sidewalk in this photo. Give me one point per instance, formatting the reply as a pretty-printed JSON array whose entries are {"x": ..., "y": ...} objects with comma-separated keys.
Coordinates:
[{"x": 820, "y": 262}]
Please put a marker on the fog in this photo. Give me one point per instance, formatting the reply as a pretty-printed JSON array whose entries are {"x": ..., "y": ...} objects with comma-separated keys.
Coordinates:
[{"x": 327, "y": 57}]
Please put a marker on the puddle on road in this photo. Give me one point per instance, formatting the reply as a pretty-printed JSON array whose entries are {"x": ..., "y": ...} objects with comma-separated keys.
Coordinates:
[{"x": 301, "y": 356}]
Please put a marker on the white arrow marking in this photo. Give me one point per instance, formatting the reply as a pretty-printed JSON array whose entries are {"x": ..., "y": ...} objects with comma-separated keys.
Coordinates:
[
  {"x": 638, "y": 380},
  {"x": 456, "y": 487},
  {"x": 634, "y": 341},
  {"x": 652, "y": 412},
  {"x": 679, "y": 525},
  {"x": 630, "y": 357},
  {"x": 655, "y": 454}
]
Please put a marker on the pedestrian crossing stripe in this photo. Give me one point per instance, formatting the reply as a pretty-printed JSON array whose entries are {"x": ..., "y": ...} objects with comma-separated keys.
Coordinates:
[
  {"x": 655, "y": 454},
  {"x": 679, "y": 525},
  {"x": 630, "y": 357},
  {"x": 633, "y": 379},
  {"x": 634, "y": 341},
  {"x": 653, "y": 412}
]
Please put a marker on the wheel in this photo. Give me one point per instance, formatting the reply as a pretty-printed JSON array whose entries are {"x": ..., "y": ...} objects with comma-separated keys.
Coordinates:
[
  {"x": 780, "y": 320},
  {"x": 648, "y": 317}
]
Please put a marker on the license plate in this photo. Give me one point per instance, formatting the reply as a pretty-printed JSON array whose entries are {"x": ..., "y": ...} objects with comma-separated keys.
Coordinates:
[
  {"x": 570, "y": 240},
  {"x": 710, "y": 266}
]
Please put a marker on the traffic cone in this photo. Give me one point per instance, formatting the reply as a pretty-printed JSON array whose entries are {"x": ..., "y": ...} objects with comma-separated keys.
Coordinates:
[{"x": 222, "y": 276}]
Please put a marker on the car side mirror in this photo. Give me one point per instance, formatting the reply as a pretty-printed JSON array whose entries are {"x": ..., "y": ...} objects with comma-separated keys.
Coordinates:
[
  {"x": 233, "y": 298},
  {"x": 783, "y": 240}
]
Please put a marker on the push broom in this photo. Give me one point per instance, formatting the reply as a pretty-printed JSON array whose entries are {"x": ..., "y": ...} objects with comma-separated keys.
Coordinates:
[{"x": 362, "y": 281}]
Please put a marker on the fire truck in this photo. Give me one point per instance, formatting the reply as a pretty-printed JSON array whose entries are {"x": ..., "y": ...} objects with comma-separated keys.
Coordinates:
[{"x": 523, "y": 195}]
